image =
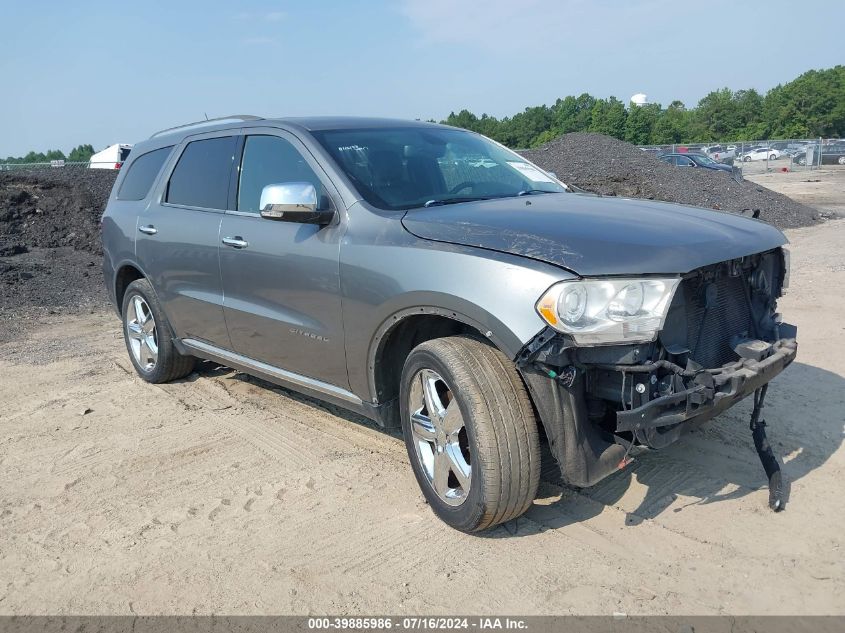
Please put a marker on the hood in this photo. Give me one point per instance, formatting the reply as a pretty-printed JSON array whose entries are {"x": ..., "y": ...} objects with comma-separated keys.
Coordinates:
[{"x": 592, "y": 235}]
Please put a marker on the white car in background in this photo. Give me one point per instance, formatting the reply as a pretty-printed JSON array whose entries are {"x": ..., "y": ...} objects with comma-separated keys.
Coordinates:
[
  {"x": 760, "y": 153},
  {"x": 112, "y": 157}
]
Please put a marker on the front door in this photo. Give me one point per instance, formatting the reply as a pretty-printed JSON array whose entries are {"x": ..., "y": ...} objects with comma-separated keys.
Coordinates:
[{"x": 281, "y": 281}]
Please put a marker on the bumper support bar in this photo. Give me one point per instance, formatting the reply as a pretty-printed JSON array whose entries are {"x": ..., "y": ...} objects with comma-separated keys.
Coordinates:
[
  {"x": 713, "y": 391},
  {"x": 764, "y": 452}
]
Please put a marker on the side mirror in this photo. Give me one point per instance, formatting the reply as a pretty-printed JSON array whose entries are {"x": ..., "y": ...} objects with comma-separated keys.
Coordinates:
[{"x": 293, "y": 202}]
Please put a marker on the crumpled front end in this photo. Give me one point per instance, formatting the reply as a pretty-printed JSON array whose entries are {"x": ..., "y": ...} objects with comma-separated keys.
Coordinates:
[{"x": 722, "y": 340}]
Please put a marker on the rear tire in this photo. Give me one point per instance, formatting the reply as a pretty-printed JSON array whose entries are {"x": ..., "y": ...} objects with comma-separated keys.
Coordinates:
[
  {"x": 148, "y": 336},
  {"x": 464, "y": 405}
]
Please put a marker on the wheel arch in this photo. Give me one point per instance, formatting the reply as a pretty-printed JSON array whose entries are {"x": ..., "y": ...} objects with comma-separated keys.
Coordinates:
[
  {"x": 404, "y": 329},
  {"x": 125, "y": 273}
]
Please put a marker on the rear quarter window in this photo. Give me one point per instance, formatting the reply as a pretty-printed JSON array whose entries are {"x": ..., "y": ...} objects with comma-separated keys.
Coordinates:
[
  {"x": 201, "y": 177},
  {"x": 142, "y": 173}
]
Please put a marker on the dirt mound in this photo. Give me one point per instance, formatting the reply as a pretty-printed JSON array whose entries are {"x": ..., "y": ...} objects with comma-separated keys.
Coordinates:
[
  {"x": 50, "y": 249},
  {"x": 54, "y": 208},
  {"x": 610, "y": 167}
]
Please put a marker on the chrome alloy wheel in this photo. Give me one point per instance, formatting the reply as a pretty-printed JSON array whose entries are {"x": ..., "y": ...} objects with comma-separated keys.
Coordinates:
[
  {"x": 141, "y": 330},
  {"x": 440, "y": 437}
]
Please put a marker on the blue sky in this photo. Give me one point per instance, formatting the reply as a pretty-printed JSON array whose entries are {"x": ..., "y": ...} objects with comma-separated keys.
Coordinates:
[{"x": 91, "y": 72}]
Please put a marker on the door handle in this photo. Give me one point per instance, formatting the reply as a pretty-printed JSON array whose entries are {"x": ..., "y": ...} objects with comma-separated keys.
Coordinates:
[
  {"x": 235, "y": 242},
  {"x": 149, "y": 229}
]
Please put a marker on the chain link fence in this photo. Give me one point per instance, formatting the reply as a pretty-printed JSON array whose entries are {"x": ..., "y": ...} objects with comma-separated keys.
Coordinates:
[
  {"x": 59, "y": 164},
  {"x": 763, "y": 155}
]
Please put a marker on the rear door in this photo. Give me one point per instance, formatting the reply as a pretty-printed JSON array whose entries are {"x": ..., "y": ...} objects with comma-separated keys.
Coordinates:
[
  {"x": 179, "y": 234},
  {"x": 282, "y": 283}
]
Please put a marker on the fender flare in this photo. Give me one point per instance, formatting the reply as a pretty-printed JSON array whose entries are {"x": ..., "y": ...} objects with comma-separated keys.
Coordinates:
[
  {"x": 124, "y": 263},
  {"x": 116, "y": 268},
  {"x": 494, "y": 331}
]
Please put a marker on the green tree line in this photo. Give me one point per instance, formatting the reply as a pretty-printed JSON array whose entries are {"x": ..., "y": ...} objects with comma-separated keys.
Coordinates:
[
  {"x": 810, "y": 106},
  {"x": 80, "y": 153}
]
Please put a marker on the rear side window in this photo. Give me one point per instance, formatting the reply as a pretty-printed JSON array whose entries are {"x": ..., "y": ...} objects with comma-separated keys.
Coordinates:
[
  {"x": 201, "y": 177},
  {"x": 142, "y": 173}
]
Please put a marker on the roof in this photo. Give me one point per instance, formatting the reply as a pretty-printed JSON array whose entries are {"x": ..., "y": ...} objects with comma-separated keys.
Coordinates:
[
  {"x": 321, "y": 123},
  {"x": 175, "y": 135}
]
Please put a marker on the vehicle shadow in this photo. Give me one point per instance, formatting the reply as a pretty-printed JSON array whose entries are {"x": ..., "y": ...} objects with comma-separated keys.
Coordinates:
[
  {"x": 210, "y": 369},
  {"x": 715, "y": 463}
]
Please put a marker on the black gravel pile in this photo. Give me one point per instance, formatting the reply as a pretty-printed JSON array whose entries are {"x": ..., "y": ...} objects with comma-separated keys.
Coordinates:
[
  {"x": 53, "y": 208},
  {"x": 607, "y": 166},
  {"x": 50, "y": 250}
]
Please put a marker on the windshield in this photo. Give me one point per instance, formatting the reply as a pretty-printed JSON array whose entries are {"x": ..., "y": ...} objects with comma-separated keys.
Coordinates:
[
  {"x": 404, "y": 168},
  {"x": 704, "y": 160}
]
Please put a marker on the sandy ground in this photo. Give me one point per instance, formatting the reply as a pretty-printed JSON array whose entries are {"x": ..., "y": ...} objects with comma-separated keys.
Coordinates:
[
  {"x": 222, "y": 494},
  {"x": 822, "y": 188}
]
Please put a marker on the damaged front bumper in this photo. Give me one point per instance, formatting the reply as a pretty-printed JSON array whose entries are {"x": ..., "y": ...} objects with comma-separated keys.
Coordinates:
[
  {"x": 587, "y": 451},
  {"x": 661, "y": 421}
]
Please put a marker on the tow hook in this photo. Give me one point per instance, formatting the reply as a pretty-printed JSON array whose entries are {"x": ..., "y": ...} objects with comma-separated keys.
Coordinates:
[{"x": 764, "y": 452}]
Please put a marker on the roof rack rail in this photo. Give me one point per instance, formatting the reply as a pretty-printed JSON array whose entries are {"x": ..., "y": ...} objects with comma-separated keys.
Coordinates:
[{"x": 231, "y": 117}]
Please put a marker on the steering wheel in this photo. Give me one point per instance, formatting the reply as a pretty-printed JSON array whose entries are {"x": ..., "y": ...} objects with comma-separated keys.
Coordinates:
[{"x": 461, "y": 186}]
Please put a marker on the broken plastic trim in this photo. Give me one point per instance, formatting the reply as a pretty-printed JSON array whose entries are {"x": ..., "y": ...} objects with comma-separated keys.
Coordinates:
[
  {"x": 765, "y": 453},
  {"x": 715, "y": 390}
]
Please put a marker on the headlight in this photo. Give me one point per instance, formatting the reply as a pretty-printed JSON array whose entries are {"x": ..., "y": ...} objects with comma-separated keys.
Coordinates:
[{"x": 606, "y": 311}]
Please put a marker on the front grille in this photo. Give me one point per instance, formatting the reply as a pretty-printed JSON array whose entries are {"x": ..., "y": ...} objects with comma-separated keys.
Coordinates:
[{"x": 710, "y": 330}]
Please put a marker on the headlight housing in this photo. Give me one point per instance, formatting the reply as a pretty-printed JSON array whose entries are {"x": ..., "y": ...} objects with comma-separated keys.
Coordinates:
[
  {"x": 786, "y": 254},
  {"x": 608, "y": 311}
]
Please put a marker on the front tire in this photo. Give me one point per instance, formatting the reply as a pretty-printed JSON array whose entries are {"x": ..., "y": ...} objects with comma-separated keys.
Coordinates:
[
  {"x": 470, "y": 432},
  {"x": 148, "y": 337}
]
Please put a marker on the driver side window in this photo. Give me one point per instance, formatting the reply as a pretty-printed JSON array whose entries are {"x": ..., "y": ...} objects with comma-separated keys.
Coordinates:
[{"x": 270, "y": 160}]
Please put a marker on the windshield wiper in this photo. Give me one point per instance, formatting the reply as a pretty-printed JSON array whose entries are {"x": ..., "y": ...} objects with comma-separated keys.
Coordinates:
[
  {"x": 442, "y": 201},
  {"x": 531, "y": 192}
]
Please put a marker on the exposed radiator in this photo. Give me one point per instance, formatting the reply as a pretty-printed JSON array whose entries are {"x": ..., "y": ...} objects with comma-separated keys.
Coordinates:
[{"x": 710, "y": 330}]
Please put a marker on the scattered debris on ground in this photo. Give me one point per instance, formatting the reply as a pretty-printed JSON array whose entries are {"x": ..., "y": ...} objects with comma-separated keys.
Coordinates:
[{"x": 607, "y": 166}]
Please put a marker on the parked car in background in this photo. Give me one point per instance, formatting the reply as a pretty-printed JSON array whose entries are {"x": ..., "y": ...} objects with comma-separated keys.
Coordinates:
[
  {"x": 833, "y": 154},
  {"x": 112, "y": 157},
  {"x": 830, "y": 155},
  {"x": 760, "y": 153},
  {"x": 692, "y": 159},
  {"x": 720, "y": 153}
]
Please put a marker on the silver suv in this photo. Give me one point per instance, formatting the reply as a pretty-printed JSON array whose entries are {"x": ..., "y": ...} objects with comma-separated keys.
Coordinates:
[{"x": 427, "y": 276}]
